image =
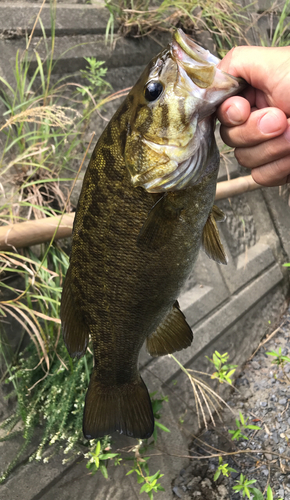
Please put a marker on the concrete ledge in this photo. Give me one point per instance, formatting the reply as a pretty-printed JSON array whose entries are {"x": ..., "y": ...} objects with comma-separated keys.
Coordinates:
[{"x": 70, "y": 19}]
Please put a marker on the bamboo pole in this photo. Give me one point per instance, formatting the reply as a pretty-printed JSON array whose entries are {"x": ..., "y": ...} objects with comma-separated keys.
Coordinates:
[
  {"x": 26, "y": 234},
  {"x": 233, "y": 187},
  {"x": 32, "y": 232}
]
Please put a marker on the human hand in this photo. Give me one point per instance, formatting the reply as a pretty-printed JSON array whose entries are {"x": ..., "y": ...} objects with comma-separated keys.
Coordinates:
[{"x": 258, "y": 124}]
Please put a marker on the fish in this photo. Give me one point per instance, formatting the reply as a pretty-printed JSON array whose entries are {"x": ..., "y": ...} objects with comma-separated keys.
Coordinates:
[{"x": 145, "y": 209}]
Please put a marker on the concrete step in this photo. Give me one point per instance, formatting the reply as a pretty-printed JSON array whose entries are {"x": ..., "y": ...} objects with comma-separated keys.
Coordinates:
[{"x": 71, "y": 18}]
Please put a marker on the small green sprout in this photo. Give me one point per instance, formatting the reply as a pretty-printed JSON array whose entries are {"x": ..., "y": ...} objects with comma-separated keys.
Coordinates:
[
  {"x": 280, "y": 359},
  {"x": 243, "y": 486},
  {"x": 269, "y": 495},
  {"x": 224, "y": 371},
  {"x": 241, "y": 426},
  {"x": 223, "y": 469}
]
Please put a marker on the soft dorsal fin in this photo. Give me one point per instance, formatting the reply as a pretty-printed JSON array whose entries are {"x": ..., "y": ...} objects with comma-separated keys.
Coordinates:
[
  {"x": 159, "y": 225},
  {"x": 173, "y": 334},
  {"x": 211, "y": 242}
]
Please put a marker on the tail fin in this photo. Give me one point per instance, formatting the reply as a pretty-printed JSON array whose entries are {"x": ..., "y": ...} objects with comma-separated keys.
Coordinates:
[{"x": 125, "y": 408}]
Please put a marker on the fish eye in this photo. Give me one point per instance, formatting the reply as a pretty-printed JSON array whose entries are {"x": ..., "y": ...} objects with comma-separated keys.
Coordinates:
[{"x": 153, "y": 91}]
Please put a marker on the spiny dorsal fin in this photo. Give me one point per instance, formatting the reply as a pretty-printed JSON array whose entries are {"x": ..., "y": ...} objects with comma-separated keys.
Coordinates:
[
  {"x": 159, "y": 225},
  {"x": 75, "y": 331},
  {"x": 173, "y": 334},
  {"x": 211, "y": 242}
]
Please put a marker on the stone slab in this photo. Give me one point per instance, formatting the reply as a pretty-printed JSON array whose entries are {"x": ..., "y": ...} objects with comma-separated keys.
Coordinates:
[
  {"x": 31, "y": 480},
  {"x": 247, "y": 266},
  {"x": 71, "y": 19},
  {"x": 202, "y": 299}
]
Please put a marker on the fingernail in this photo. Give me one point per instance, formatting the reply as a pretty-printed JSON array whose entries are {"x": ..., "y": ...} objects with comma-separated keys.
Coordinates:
[
  {"x": 234, "y": 115},
  {"x": 269, "y": 123}
]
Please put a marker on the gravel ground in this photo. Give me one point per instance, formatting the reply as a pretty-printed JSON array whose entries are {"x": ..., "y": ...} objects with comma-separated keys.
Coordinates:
[{"x": 262, "y": 395}]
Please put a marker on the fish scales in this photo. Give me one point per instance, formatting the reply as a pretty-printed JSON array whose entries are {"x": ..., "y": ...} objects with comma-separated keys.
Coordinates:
[{"x": 138, "y": 229}]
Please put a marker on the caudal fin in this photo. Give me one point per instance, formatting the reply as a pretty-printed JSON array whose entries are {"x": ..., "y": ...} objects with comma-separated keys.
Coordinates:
[{"x": 125, "y": 408}]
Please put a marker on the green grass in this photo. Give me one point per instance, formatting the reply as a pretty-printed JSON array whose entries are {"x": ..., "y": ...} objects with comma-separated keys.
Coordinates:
[
  {"x": 280, "y": 36},
  {"x": 224, "y": 20},
  {"x": 45, "y": 132}
]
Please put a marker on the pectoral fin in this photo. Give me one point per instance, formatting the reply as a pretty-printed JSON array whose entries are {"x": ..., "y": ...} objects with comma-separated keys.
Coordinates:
[
  {"x": 211, "y": 242},
  {"x": 75, "y": 331},
  {"x": 218, "y": 214},
  {"x": 159, "y": 225},
  {"x": 173, "y": 334}
]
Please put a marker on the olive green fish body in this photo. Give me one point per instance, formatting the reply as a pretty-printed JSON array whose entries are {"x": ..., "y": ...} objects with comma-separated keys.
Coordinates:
[{"x": 133, "y": 249}]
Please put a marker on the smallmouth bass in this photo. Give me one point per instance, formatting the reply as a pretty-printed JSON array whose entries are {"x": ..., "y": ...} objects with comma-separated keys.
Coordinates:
[{"x": 145, "y": 209}]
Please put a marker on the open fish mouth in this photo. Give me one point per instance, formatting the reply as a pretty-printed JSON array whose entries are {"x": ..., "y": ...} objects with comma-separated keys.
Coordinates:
[
  {"x": 193, "y": 88},
  {"x": 212, "y": 85}
]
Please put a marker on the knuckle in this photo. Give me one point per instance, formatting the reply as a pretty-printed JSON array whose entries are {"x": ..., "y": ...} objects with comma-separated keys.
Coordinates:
[{"x": 241, "y": 157}]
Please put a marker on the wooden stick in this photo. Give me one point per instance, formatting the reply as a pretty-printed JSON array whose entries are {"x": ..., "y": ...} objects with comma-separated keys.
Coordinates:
[
  {"x": 33, "y": 232},
  {"x": 227, "y": 189},
  {"x": 37, "y": 231}
]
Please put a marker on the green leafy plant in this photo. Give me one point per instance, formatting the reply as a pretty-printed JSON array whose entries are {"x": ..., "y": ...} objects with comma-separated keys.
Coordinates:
[
  {"x": 223, "y": 469},
  {"x": 280, "y": 361},
  {"x": 224, "y": 371},
  {"x": 243, "y": 483},
  {"x": 98, "y": 86},
  {"x": 140, "y": 467},
  {"x": 241, "y": 427},
  {"x": 247, "y": 490},
  {"x": 100, "y": 456}
]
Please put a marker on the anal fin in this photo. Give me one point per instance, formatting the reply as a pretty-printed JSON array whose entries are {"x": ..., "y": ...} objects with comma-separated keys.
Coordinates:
[
  {"x": 173, "y": 334},
  {"x": 125, "y": 408},
  {"x": 211, "y": 241},
  {"x": 75, "y": 331}
]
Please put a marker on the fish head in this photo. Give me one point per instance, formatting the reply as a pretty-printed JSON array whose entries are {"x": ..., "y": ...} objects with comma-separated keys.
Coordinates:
[{"x": 169, "y": 136}]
